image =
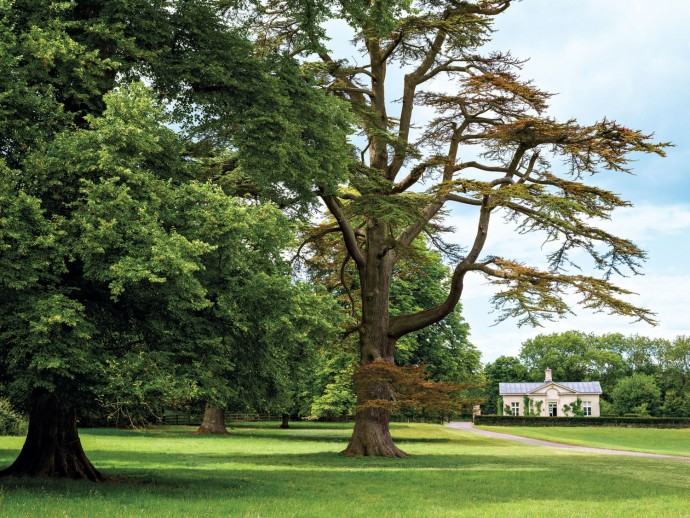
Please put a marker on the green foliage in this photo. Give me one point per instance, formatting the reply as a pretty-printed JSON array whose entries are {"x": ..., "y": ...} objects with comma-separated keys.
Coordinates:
[
  {"x": 531, "y": 407},
  {"x": 292, "y": 140},
  {"x": 11, "y": 423},
  {"x": 676, "y": 404},
  {"x": 574, "y": 408},
  {"x": 636, "y": 394},
  {"x": 332, "y": 390},
  {"x": 576, "y": 356},
  {"x": 133, "y": 233},
  {"x": 505, "y": 369}
]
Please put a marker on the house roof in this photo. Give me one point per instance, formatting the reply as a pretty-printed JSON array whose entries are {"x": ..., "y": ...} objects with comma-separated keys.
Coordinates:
[{"x": 587, "y": 387}]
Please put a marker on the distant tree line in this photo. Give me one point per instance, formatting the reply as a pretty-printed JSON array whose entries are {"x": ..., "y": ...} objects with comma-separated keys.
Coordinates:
[{"x": 639, "y": 375}]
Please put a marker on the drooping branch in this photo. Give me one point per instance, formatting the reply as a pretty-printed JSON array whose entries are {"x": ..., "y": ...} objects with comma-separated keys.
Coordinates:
[
  {"x": 533, "y": 295},
  {"x": 353, "y": 248},
  {"x": 348, "y": 292},
  {"x": 312, "y": 238}
]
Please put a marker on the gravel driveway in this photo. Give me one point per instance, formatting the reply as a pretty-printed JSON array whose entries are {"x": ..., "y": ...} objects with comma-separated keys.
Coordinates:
[{"x": 469, "y": 427}]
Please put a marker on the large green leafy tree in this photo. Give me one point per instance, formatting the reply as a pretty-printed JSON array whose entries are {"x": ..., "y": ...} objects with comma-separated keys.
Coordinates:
[
  {"x": 103, "y": 255},
  {"x": 577, "y": 356},
  {"x": 490, "y": 148},
  {"x": 147, "y": 261}
]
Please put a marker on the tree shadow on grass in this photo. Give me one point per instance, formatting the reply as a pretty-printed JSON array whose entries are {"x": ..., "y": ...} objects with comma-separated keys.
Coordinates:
[
  {"x": 297, "y": 433},
  {"x": 324, "y": 477},
  {"x": 319, "y": 436},
  {"x": 294, "y": 425}
]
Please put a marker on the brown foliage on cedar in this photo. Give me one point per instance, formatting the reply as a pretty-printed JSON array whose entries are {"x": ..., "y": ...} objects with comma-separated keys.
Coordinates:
[{"x": 407, "y": 387}]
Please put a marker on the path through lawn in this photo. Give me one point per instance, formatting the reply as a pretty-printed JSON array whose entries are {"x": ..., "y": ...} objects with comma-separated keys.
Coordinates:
[
  {"x": 298, "y": 472},
  {"x": 668, "y": 441},
  {"x": 500, "y": 434}
]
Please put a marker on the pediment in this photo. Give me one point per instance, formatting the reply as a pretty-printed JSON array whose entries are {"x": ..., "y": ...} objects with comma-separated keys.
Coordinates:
[{"x": 552, "y": 384}]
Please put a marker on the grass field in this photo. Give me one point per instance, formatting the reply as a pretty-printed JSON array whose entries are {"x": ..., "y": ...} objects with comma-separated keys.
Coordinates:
[
  {"x": 670, "y": 441},
  {"x": 263, "y": 471}
]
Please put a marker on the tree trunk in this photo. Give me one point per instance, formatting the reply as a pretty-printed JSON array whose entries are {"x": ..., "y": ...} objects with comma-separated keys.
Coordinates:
[
  {"x": 371, "y": 435},
  {"x": 286, "y": 422},
  {"x": 52, "y": 447},
  {"x": 213, "y": 422}
]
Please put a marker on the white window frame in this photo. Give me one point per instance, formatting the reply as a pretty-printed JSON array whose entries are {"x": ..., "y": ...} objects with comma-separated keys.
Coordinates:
[
  {"x": 515, "y": 408},
  {"x": 549, "y": 406},
  {"x": 587, "y": 408}
]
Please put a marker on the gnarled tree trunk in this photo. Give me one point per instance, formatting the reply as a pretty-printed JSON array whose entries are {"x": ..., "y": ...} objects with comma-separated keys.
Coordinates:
[
  {"x": 371, "y": 435},
  {"x": 52, "y": 447},
  {"x": 213, "y": 422}
]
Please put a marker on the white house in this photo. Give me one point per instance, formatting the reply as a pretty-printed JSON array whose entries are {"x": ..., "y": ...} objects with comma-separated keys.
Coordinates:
[{"x": 551, "y": 398}]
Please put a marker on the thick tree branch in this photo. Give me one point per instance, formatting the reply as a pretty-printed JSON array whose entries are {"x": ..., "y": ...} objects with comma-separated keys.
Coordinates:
[
  {"x": 411, "y": 178},
  {"x": 405, "y": 324}
]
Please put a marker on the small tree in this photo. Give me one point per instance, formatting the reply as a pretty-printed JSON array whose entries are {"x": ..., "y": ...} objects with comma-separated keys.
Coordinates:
[{"x": 636, "y": 394}]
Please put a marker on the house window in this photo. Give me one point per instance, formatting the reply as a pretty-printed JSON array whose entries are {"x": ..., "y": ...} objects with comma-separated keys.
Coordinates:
[
  {"x": 587, "y": 407},
  {"x": 553, "y": 409},
  {"x": 515, "y": 408}
]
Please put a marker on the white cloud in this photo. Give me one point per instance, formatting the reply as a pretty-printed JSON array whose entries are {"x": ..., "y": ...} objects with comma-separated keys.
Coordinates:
[
  {"x": 665, "y": 289},
  {"x": 649, "y": 222},
  {"x": 667, "y": 296},
  {"x": 618, "y": 56}
]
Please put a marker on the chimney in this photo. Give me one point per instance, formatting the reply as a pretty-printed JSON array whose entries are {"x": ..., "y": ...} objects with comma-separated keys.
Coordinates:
[{"x": 547, "y": 375}]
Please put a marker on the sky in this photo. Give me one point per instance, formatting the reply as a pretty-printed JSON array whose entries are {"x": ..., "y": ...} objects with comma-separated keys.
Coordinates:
[{"x": 627, "y": 60}]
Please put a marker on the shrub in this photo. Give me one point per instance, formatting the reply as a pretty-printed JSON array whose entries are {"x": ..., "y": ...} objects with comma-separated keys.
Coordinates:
[
  {"x": 636, "y": 394},
  {"x": 11, "y": 423}
]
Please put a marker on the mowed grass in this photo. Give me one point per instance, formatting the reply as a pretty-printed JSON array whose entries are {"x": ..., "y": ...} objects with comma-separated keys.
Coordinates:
[
  {"x": 264, "y": 472},
  {"x": 669, "y": 441}
]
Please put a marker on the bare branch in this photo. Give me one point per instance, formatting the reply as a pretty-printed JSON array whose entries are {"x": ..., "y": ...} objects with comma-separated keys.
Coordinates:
[{"x": 463, "y": 199}]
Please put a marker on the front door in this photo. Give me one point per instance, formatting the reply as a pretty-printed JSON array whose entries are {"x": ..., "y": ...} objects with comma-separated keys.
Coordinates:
[{"x": 553, "y": 409}]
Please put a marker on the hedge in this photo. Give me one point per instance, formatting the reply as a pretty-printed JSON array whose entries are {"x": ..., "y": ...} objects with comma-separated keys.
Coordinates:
[{"x": 627, "y": 422}]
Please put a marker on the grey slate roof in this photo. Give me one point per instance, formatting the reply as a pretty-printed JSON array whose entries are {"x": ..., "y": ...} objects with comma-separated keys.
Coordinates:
[{"x": 589, "y": 387}]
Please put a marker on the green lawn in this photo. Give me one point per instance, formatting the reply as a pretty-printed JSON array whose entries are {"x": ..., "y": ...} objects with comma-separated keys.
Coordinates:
[
  {"x": 670, "y": 441},
  {"x": 263, "y": 471}
]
